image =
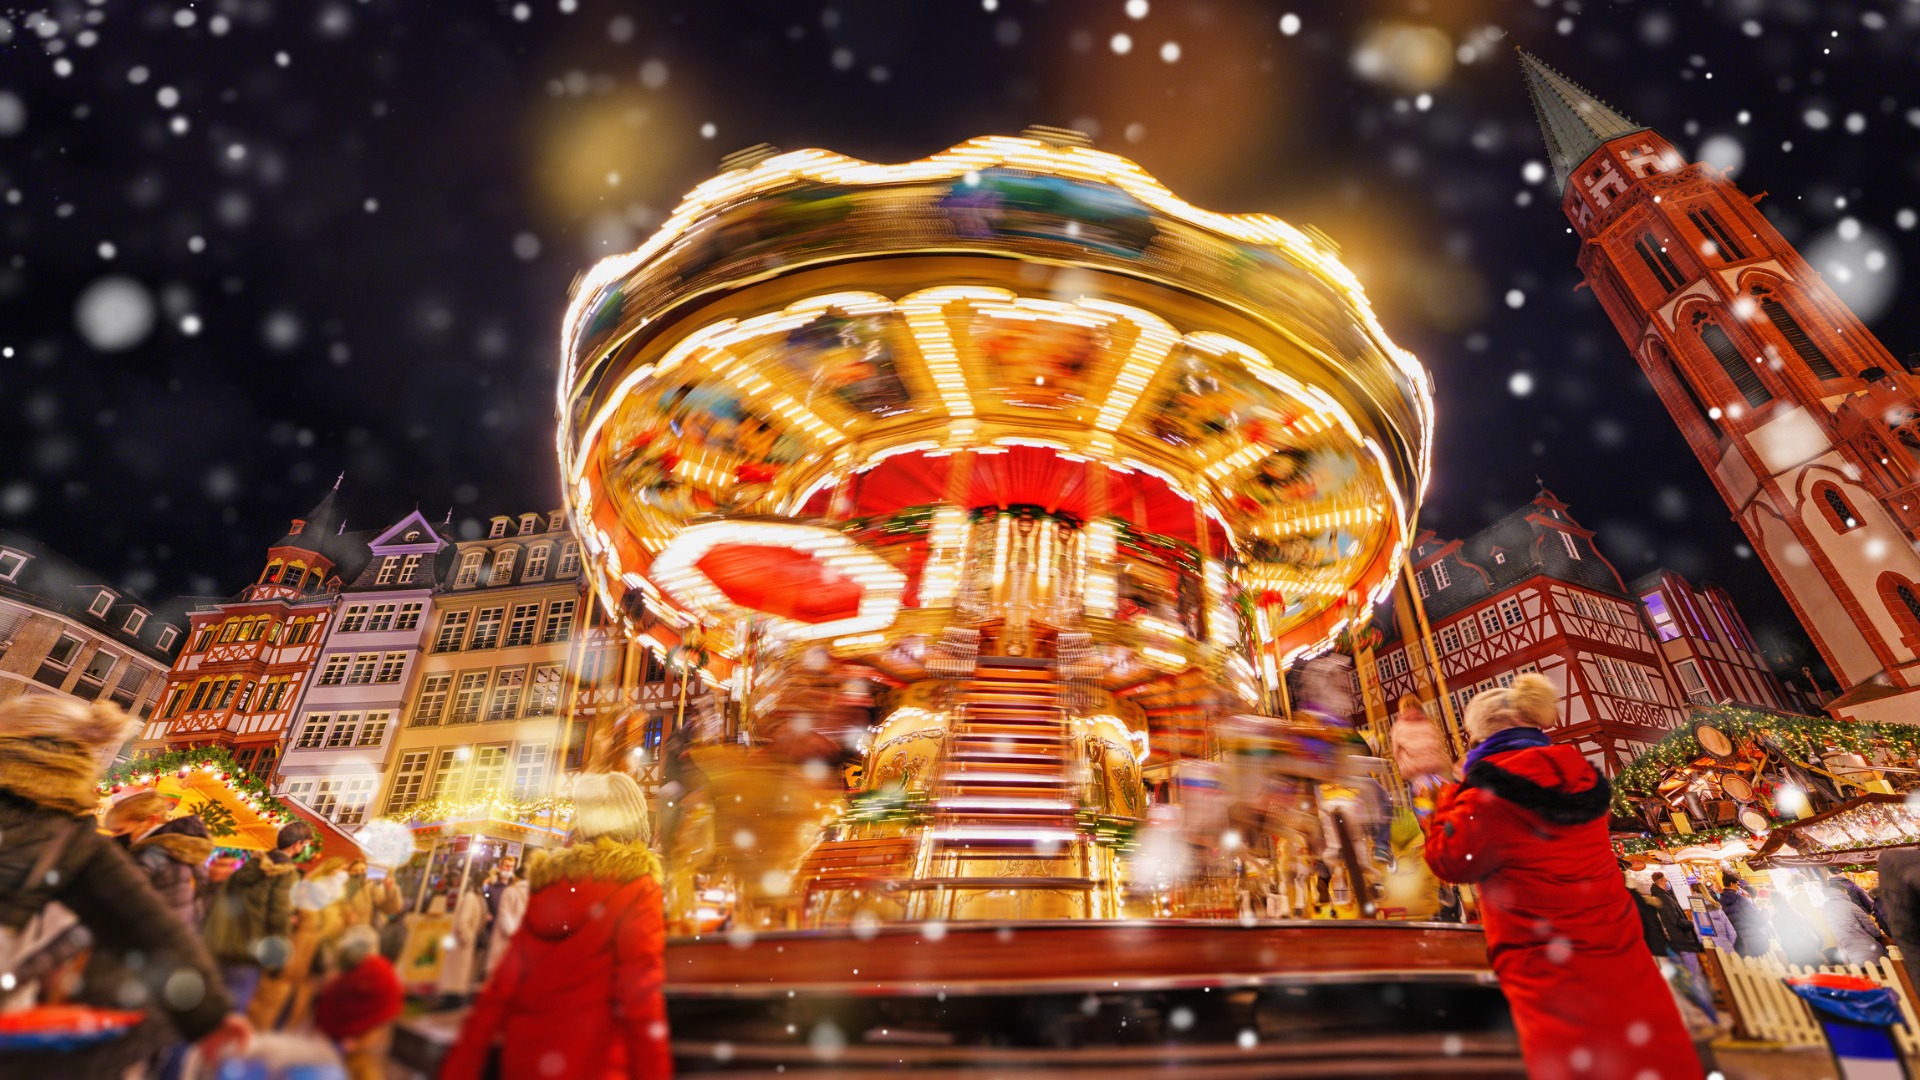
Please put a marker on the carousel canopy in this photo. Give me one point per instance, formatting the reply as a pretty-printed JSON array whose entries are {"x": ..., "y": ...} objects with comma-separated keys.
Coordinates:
[{"x": 1014, "y": 322}]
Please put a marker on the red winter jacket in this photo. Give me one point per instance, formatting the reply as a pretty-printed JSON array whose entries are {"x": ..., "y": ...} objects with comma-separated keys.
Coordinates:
[
  {"x": 355, "y": 1002},
  {"x": 579, "y": 994},
  {"x": 1529, "y": 826}
]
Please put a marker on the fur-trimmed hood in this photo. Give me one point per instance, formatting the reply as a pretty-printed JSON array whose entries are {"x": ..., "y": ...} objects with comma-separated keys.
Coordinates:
[
  {"x": 51, "y": 749},
  {"x": 180, "y": 847},
  {"x": 1554, "y": 782},
  {"x": 605, "y": 860}
]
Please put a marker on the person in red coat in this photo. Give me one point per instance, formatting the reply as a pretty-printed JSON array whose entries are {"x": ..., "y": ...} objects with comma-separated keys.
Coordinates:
[
  {"x": 578, "y": 996},
  {"x": 357, "y": 1008},
  {"x": 1528, "y": 824}
]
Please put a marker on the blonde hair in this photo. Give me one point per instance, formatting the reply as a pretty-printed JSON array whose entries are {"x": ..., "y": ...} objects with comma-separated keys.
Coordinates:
[
  {"x": 101, "y": 725},
  {"x": 136, "y": 807},
  {"x": 1530, "y": 702},
  {"x": 608, "y": 804}
]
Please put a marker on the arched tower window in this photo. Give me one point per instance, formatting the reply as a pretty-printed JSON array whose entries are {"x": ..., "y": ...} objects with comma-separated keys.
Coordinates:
[
  {"x": 1745, "y": 379},
  {"x": 1835, "y": 507},
  {"x": 1795, "y": 334},
  {"x": 1902, "y": 598},
  {"x": 1664, "y": 360},
  {"x": 1654, "y": 254},
  {"x": 1716, "y": 234}
]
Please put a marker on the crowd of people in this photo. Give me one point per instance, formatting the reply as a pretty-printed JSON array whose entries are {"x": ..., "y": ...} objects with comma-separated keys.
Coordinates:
[{"x": 133, "y": 910}]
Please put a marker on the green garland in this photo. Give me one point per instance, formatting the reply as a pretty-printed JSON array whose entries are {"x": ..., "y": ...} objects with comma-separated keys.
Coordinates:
[
  {"x": 1801, "y": 737},
  {"x": 1640, "y": 845},
  {"x": 220, "y": 822}
]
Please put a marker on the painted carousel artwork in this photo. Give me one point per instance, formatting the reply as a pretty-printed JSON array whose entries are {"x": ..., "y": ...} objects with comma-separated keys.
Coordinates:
[{"x": 1000, "y": 491}]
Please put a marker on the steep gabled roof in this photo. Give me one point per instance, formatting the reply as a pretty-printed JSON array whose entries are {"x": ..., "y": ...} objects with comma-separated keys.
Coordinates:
[{"x": 1574, "y": 122}]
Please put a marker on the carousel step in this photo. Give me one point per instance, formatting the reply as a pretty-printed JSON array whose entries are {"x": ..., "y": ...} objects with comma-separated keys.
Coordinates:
[
  {"x": 1009, "y": 757},
  {"x": 1001, "y": 777},
  {"x": 970, "y": 804},
  {"x": 1004, "y": 836},
  {"x": 967, "y": 733}
]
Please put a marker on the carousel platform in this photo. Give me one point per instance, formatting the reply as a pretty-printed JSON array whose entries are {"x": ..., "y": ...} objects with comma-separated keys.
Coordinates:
[{"x": 1293, "y": 998}]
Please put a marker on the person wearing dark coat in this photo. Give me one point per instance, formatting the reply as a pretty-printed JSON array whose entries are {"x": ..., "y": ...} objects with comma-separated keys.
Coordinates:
[
  {"x": 1528, "y": 824},
  {"x": 249, "y": 925},
  {"x": 1652, "y": 930},
  {"x": 1899, "y": 895},
  {"x": 1753, "y": 937},
  {"x": 51, "y": 750}
]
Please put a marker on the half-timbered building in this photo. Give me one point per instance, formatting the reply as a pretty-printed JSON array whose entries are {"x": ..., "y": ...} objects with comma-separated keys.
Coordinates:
[
  {"x": 248, "y": 658},
  {"x": 1533, "y": 593}
]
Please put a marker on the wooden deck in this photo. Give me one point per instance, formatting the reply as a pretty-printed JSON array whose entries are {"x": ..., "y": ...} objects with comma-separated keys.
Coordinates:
[{"x": 1045, "y": 957}]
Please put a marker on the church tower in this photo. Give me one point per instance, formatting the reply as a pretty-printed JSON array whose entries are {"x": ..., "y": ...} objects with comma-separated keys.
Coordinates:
[{"x": 1807, "y": 424}]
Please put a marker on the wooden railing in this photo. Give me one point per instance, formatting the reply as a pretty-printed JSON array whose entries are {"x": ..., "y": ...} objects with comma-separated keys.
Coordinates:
[{"x": 1766, "y": 1009}]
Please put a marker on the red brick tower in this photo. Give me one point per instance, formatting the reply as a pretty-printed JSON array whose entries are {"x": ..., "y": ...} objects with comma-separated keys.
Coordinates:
[{"x": 1805, "y": 422}]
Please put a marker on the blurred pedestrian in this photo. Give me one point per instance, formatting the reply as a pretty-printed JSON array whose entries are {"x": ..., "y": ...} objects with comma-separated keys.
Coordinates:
[
  {"x": 1528, "y": 822},
  {"x": 578, "y": 996},
  {"x": 357, "y": 1007},
  {"x": 1899, "y": 896},
  {"x": 52, "y": 751},
  {"x": 370, "y": 902},
  {"x": 469, "y": 910},
  {"x": 135, "y": 815},
  {"x": 1678, "y": 921},
  {"x": 249, "y": 924},
  {"x": 1755, "y": 937},
  {"x": 1725, "y": 934},
  {"x": 1800, "y": 929},
  {"x": 510, "y": 911},
  {"x": 1857, "y": 939}
]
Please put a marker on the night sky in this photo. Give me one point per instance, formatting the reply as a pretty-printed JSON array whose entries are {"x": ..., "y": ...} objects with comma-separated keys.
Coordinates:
[{"x": 353, "y": 224}]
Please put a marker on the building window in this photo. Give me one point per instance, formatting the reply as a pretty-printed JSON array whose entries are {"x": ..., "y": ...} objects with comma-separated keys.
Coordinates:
[
  {"x": 545, "y": 698},
  {"x": 135, "y": 620},
  {"x": 469, "y": 568},
  {"x": 380, "y": 619},
  {"x": 1745, "y": 378},
  {"x": 353, "y": 805},
  {"x": 453, "y": 628},
  {"x": 1469, "y": 630},
  {"x": 343, "y": 731},
  {"x": 389, "y": 567},
  {"x": 1449, "y": 641},
  {"x": 1719, "y": 241},
  {"x": 1839, "y": 513},
  {"x": 507, "y": 688},
  {"x": 1903, "y": 601},
  {"x": 1692, "y": 683},
  {"x": 1663, "y": 625},
  {"x": 1441, "y": 579},
  {"x": 1499, "y": 556},
  {"x": 502, "y": 566},
  {"x": 537, "y": 562},
  {"x": 102, "y": 600},
  {"x": 486, "y": 628},
  {"x": 408, "y": 777},
  {"x": 335, "y": 671},
  {"x": 1490, "y": 622},
  {"x": 489, "y": 771},
  {"x": 1802, "y": 344},
  {"x": 299, "y": 789},
  {"x": 468, "y": 697},
  {"x": 363, "y": 667},
  {"x": 569, "y": 558},
  {"x": 1420, "y": 579},
  {"x": 1658, "y": 357},
  {"x": 409, "y": 569},
  {"x": 559, "y": 622},
  {"x": 1510, "y": 612},
  {"x": 449, "y": 772},
  {"x": 520, "y": 627},
  {"x": 528, "y": 522},
  {"x": 408, "y": 617},
  {"x": 529, "y": 770},
  {"x": 554, "y": 519},
  {"x": 499, "y": 529},
  {"x": 1573, "y": 549},
  {"x": 432, "y": 702},
  {"x": 391, "y": 665},
  {"x": 166, "y": 639},
  {"x": 11, "y": 563},
  {"x": 313, "y": 732},
  {"x": 354, "y": 619},
  {"x": 1654, "y": 254},
  {"x": 374, "y": 731}
]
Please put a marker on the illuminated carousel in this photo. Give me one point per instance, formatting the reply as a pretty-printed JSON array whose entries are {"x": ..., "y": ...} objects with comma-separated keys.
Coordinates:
[{"x": 996, "y": 493}]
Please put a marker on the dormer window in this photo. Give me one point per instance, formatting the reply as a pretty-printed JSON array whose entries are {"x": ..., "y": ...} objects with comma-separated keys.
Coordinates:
[
  {"x": 1573, "y": 550},
  {"x": 469, "y": 568},
  {"x": 1441, "y": 579},
  {"x": 166, "y": 638},
  {"x": 135, "y": 620},
  {"x": 11, "y": 563},
  {"x": 527, "y": 523},
  {"x": 499, "y": 529},
  {"x": 555, "y": 519},
  {"x": 502, "y": 567},
  {"x": 102, "y": 600},
  {"x": 1499, "y": 556},
  {"x": 389, "y": 566}
]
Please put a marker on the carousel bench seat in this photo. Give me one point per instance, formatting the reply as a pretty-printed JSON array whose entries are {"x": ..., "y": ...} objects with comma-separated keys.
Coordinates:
[{"x": 832, "y": 865}]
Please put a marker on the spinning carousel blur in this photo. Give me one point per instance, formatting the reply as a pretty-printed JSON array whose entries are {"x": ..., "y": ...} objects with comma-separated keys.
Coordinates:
[{"x": 997, "y": 493}]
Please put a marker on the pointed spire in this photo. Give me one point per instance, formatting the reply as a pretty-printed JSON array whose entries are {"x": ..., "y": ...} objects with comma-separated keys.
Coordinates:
[
  {"x": 1574, "y": 122},
  {"x": 338, "y": 480}
]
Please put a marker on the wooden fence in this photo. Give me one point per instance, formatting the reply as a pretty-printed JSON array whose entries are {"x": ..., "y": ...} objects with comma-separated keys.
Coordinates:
[{"x": 1765, "y": 1008}]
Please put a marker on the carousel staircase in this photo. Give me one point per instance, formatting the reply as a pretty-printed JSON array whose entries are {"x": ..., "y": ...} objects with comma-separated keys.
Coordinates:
[{"x": 1004, "y": 812}]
